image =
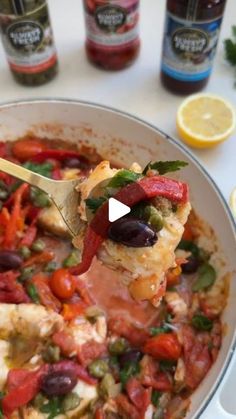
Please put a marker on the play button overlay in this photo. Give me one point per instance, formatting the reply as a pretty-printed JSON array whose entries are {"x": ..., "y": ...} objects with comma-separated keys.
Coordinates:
[{"x": 116, "y": 209}]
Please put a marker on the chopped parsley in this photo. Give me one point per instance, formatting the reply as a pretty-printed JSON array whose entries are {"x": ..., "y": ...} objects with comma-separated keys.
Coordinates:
[
  {"x": 130, "y": 370},
  {"x": 44, "y": 169},
  {"x": 94, "y": 203},
  {"x": 53, "y": 407},
  {"x": 206, "y": 277},
  {"x": 159, "y": 330},
  {"x": 155, "y": 397},
  {"x": 201, "y": 322},
  {"x": 33, "y": 293},
  {"x": 163, "y": 167},
  {"x": 122, "y": 178}
]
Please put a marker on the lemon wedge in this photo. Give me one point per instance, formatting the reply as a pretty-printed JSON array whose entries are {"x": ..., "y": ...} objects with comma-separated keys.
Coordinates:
[
  {"x": 232, "y": 202},
  {"x": 205, "y": 120}
]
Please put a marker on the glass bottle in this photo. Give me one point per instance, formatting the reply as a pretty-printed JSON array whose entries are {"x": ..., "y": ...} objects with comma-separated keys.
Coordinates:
[
  {"x": 191, "y": 35},
  {"x": 28, "y": 41},
  {"x": 112, "y": 32}
]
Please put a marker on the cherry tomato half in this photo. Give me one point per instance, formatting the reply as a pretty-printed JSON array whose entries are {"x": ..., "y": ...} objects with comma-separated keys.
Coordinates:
[
  {"x": 163, "y": 347},
  {"x": 27, "y": 148},
  {"x": 62, "y": 283}
]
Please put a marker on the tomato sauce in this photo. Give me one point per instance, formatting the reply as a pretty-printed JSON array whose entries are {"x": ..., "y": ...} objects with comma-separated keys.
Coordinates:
[{"x": 109, "y": 293}]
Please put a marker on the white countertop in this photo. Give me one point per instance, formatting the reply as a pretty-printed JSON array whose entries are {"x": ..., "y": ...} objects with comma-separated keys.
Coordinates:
[{"x": 137, "y": 89}]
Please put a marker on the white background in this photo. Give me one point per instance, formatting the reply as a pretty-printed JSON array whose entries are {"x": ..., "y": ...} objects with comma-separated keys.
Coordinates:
[{"x": 137, "y": 89}]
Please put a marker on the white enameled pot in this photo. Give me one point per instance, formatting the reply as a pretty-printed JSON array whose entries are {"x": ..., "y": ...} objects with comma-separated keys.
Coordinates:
[{"x": 124, "y": 139}]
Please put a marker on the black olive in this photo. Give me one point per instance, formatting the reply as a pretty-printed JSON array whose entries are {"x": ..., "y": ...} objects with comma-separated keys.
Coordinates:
[
  {"x": 132, "y": 233},
  {"x": 75, "y": 163},
  {"x": 191, "y": 266},
  {"x": 58, "y": 383},
  {"x": 130, "y": 356},
  {"x": 9, "y": 260}
]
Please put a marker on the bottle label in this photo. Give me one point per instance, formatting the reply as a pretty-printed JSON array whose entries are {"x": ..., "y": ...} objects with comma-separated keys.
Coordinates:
[
  {"x": 28, "y": 41},
  {"x": 112, "y": 25},
  {"x": 189, "y": 48}
]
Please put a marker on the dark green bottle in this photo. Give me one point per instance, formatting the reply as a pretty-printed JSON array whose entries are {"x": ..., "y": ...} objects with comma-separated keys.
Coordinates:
[{"x": 28, "y": 41}]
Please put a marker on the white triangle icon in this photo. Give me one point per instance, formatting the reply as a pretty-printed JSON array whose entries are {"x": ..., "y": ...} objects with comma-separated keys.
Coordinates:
[{"x": 116, "y": 209}]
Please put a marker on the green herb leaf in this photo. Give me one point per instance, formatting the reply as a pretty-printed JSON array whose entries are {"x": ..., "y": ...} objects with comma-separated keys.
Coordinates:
[
  {"x": 94, "y": 203},
  {"x": 230, "y": 51},
  {"x": 122, "y": 178},
  {"x": 53, "y": 407},
  {"x": 130, "y": 370},
  {"x": 44, "y": 169},
  {"x": 33, "y": 293},
  {"x": 206, "y": 277},
  {"x": 71, "y": 260},
  {"x": 167, "y": 365},
  {"x": 201, "y": 322},
  {"x": 159, "y": 330},
  {"x": 155, "y": 397},
  {"x": 189, "y": 246},
  {"x": 39, "y": 198},
  {"x": 163, "y": 167}
]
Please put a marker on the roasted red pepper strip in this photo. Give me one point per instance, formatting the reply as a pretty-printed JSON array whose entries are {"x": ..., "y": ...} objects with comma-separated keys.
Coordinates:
[
  {"x": 59, "y": 155},
  {"x": 3, "y": 149},
  {"x": 132, "y": 194},
  {"x": 29, "y": 236},
  {"x": 11, "y": 291},
  {"x": 23, "y": 388},
  {"x": 12, "y": 226}
]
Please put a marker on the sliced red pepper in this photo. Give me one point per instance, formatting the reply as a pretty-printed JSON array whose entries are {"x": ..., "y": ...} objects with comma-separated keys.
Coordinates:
[
  {"x": 11, "y": 291},
  {"x": 23, "y": 388},
  {"x": 122, "y": 327},
  {"x": 29, "y": 236},
  {"x": 39, "y": 259},
  {"x": 90, "y": 351},
  {"x": 12, "y": 227},
  {"x": 138, "y": 395},
  {"x": 65, "y": 342},
  {"x": 130, "y": 195},
  {"x": 3, "y": 149},
  {"x": 59, "y": 155},
  {"x": 127, "y": 409},
  {"x": 46, "y": 297}
]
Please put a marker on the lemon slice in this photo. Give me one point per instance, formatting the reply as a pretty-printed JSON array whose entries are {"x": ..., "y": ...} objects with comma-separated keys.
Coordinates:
[
  {"x": 232, "y": 202},
  {"x": 204, "y": 120}
]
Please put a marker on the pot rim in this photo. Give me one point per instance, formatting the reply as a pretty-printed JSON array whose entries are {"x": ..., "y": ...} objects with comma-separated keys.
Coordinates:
[{"x": 181, "y": 147}]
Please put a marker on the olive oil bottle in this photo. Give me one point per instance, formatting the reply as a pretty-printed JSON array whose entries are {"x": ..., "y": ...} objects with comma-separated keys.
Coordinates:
[{"x": 28, "y": 41}]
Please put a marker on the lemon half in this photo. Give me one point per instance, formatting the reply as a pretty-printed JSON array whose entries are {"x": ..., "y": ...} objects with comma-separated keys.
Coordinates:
[
  {"x": 204, "y": 120},
  {"x": 232, "y": 202}
]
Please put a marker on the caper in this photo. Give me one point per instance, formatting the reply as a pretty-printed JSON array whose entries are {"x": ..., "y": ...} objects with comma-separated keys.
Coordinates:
[
  {"x": 98, "y": 368},
  {"x": 39, "y": 199},
  {"x": 93, "y": 312},
  {"x": 3, "y": 194},
  {"x": 155, "y": 218},
  {"x": 51, "y": 354},
  {"x": 25, "y": 252},
  {"x": 71, "y": 260},
  {"x": 50, "y": 267},
  {"x": 105, "y": 386},
  {"x": 70, "y": 402},
  {"x": 39, "y": 401},
  {"x": 26, "y": 273},
  {"x": 38, "y": 246},
  {"x": 118, "y": 346}
]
